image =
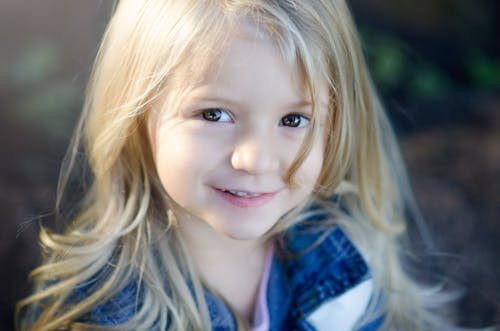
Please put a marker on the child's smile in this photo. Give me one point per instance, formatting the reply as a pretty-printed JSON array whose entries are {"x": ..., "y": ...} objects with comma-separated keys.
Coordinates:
[
  {"x": 245, "y": 199},
  {"x": 222, "y": 157}
]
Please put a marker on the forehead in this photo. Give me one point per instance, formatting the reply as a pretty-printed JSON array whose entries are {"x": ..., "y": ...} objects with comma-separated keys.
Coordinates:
[
  {"x": 242, "y": 54},
  {"x": 242, "y": 50}
]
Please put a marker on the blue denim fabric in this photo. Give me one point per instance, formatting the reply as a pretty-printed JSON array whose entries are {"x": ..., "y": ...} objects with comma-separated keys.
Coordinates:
[
  {"x": 113, "y": 312},
  {"x": 327, "y": 271},
  {"x": 297, "y": 286}
]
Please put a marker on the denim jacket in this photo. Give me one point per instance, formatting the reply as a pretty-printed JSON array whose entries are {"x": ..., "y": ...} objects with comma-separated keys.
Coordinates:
[{"x": 324, "y": 287}]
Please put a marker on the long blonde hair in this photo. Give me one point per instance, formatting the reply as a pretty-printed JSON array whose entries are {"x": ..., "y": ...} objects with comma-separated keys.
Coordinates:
[{"x": 153, "y": 47}]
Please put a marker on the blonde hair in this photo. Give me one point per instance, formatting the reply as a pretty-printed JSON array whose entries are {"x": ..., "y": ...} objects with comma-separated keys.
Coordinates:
[{"x": 155, "y": 46}]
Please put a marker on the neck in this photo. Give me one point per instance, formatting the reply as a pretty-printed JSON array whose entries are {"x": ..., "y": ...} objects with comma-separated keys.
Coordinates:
[{"x": 230, "y": 267}]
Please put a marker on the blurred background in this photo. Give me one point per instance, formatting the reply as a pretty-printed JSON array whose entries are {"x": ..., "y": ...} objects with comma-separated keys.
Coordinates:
[{"x": 435, "y": 62}]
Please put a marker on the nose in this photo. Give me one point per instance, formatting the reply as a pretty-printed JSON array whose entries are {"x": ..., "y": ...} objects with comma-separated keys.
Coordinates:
[{"x": 255, "y": 155}]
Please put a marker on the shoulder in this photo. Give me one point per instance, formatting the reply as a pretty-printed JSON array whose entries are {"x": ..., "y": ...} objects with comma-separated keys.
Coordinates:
[
  {"x": 323, "y": 254},
  {"x": 118, "y": 309},
  {"x": 329, "y": 282}
]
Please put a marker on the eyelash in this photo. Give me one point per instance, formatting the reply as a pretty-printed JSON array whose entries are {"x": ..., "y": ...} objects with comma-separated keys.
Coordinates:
[
  {"x": 299, "y": 124},
  {"x": 215, "y": 114}
]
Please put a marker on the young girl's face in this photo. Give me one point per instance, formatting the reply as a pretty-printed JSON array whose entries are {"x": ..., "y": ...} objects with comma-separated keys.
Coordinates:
[{"x": 222, "y": 156}]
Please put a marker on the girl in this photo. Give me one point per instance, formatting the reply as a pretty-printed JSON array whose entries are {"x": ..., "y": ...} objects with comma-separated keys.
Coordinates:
[{"x": 244, "y": 176}]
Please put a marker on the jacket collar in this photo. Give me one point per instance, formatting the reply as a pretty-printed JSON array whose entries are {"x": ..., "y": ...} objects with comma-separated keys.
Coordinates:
[{"x": 309, "y": 267}]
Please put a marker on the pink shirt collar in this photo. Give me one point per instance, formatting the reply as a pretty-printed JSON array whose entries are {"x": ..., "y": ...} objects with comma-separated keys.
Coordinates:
[{"x": 261, "y": 312}]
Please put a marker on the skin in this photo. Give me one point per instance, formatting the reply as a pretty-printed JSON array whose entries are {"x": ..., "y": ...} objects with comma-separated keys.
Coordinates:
[{"x": 239, "y": 128}]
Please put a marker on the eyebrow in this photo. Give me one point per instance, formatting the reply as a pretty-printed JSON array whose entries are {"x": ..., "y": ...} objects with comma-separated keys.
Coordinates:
[
  {"x": 293, "y": 105},
  {"x": 216, "y": 100}
]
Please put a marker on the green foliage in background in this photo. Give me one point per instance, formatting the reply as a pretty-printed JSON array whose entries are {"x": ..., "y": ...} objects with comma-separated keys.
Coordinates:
[
  {"x": 484, "y": 71},
  {"x": 37, "y": 62},
  {"x": 44, "y": 99},
  {"x": 396, "y": 67},
  {"x": 388, "y": 59}
]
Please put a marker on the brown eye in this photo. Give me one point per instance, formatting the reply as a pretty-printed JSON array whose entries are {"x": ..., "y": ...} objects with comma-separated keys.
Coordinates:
[
  {"x": 211, "y": 115},
  {"x": 216, "y": 115},
  {"x": 294, "y": 121}
]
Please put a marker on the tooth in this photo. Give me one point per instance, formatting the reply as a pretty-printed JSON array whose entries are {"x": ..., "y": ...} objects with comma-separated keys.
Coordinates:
[{"x": 242, "y": 193}]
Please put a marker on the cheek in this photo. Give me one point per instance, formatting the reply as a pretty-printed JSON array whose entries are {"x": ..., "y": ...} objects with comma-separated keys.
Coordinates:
[
  {"x": 174, "y": 151},
  {"x": 176, "y": 159},
  {"x": 308, "y": 173},
  {"x": 184, "y": 156}
]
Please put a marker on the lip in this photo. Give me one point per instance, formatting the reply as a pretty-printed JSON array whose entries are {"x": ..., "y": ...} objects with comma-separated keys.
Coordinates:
[{"x": 245, "y": 202}]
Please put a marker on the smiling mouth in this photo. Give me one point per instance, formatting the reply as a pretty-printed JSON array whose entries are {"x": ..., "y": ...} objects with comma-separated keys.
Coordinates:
[
  {"x": 243, "y": 194},
  {"x": 245, "y": 199}
]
